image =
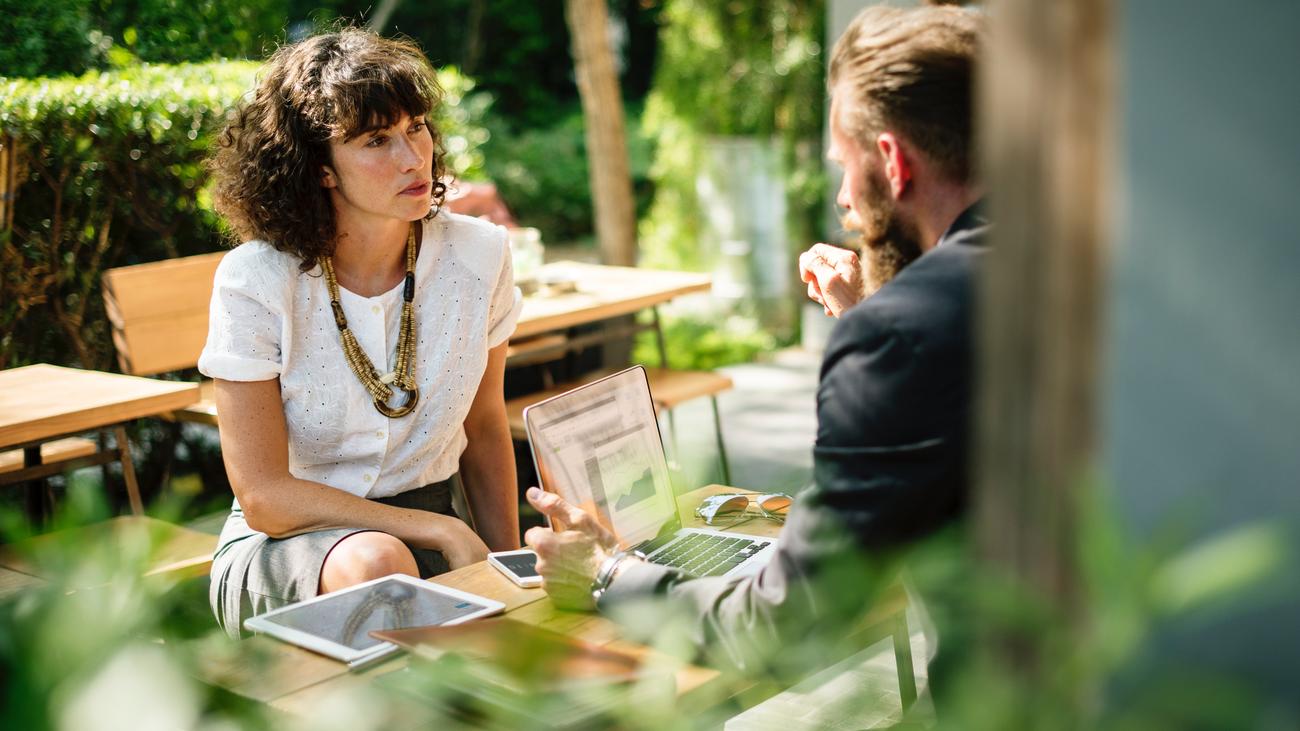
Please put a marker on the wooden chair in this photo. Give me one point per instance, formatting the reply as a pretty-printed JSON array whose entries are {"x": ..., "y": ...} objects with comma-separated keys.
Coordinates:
[{"x": 159, "y": 315}]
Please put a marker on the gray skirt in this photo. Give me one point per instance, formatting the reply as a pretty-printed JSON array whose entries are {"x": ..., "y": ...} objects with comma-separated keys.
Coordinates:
[{"x": 253, "y": 573}]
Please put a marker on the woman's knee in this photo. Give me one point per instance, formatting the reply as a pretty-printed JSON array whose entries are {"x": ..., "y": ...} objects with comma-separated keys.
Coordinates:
[{"x": 365, "y": 556}]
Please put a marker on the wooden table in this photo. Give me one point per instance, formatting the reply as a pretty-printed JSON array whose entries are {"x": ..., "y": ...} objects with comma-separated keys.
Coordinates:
[
  {"x": 299, "y": 683},
  {"x": 602, "y": 292},
  {"x": 15, "y": 582},
  {"x": 599, "y": 293},
  {"x": 43, "y": 403}
]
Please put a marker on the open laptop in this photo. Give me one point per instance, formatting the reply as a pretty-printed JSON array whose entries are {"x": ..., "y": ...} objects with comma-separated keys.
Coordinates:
[{"x": 598, "y": 447}]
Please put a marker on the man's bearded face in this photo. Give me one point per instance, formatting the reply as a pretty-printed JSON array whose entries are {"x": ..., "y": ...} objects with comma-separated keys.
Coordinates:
[{"x": 889, "y": 241}]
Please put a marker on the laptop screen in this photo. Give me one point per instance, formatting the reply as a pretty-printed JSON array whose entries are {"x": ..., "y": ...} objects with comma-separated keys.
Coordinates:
[{"x": 598, "y": 447}]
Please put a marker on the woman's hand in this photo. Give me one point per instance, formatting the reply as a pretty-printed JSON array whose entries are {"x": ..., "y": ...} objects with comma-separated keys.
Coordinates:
[{"x": 460, "y": 545}]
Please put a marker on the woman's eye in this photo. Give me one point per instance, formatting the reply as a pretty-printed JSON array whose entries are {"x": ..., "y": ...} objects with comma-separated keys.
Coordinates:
[
  {"x": 417, "y": 127},
  {"x": 376, "y": 141}
]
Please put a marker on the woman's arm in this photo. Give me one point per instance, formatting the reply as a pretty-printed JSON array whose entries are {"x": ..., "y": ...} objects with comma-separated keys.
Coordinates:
[
  {"x": 488, "y": 465},
  {"x": 255, "y": 447}
]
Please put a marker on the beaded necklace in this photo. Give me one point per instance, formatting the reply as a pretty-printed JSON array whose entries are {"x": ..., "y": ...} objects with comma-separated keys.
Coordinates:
[{"x": 402, "y": 375}]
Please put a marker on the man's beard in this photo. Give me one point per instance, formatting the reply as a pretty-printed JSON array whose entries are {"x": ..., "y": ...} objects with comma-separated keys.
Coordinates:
[{"x": 888, "y": 242}]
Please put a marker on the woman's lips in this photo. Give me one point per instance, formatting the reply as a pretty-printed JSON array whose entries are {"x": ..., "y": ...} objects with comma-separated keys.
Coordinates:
[{"x": 417, "y": 189}]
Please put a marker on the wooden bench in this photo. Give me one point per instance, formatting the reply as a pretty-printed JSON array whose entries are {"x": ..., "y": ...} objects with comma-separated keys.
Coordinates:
[
  {"x": 61, "y": 450},
  {"x": 159, "y": 315},
  {"x": 168, "y": 549}
]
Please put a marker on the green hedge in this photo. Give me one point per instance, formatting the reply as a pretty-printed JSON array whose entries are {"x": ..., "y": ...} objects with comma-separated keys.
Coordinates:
[
  {"x": 111, "y": 172},
  {"x": 74, "y": 36}
]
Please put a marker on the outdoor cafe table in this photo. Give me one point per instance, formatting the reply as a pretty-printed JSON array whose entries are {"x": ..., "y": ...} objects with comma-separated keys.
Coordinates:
[
  {"x": 602, "y": 292},
  {"x": 298, "y": 682},
  {"x": 599, "y": 293},
  {"x": 42, "y": 403}
]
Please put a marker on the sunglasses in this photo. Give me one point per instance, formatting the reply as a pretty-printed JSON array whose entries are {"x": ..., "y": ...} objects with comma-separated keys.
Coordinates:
[{"x": 718, "y": 508}]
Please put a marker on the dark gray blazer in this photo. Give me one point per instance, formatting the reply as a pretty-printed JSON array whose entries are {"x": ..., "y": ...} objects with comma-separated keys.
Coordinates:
[{"x": 890, "y": 466}]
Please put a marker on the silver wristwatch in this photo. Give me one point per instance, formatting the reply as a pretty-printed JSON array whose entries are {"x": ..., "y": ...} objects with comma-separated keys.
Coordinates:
[{"x": 605, "y": 574}]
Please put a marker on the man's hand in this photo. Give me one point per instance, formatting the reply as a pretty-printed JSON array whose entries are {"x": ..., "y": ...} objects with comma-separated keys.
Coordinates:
[
  {"x": 568, "y": 560},
  {"x": 834, "y": 277}
]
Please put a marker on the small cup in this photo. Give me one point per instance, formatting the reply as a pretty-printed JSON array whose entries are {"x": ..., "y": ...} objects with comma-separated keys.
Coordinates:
[{"x": 526, "y": 252}]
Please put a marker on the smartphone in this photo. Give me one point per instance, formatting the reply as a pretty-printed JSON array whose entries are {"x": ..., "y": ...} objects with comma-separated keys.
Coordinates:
[{"x": 519, "y": 566}]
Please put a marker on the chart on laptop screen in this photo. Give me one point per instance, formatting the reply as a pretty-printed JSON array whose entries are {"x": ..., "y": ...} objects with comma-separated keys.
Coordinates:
[{"x": 599, "y": 448}]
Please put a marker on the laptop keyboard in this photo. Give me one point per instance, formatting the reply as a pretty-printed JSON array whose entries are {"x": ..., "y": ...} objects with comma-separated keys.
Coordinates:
[{"x": 701, "y": 554}]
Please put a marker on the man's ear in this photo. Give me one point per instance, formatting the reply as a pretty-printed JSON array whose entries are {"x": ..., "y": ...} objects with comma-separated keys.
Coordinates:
[
  {"x": 898, "y": 168},
  {"x": 327, "y": 177}
]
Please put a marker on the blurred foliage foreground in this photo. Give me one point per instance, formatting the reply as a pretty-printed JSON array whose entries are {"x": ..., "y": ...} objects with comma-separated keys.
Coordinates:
[{"x": 95, "y": 646}]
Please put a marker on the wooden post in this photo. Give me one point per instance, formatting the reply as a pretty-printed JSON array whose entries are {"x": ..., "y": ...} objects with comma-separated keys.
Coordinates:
[
  {"x": 8, "y": 180},
  {"x": 382, "y": 13},
  {"x": 602, "y": 111},
  {"x": 1046, "y": 119}
]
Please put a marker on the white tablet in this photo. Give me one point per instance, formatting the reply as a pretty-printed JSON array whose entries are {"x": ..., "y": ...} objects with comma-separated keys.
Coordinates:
[{"x": 339, "y": 624}]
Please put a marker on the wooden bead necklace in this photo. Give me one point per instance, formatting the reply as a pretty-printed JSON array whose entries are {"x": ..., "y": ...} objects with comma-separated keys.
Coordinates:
[{"x": 402, "y": 375}]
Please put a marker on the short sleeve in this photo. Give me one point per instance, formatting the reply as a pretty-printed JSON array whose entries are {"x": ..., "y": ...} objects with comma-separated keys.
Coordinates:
[
  {"x": 507, "y": 301},
  {"x": 246, "y": 320}
]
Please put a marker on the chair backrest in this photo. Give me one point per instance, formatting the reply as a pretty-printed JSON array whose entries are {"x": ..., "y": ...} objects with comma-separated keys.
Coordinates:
[{"x": 159, "y": 312}]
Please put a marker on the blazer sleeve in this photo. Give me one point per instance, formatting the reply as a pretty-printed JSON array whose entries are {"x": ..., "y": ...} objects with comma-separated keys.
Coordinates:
[{"x": 834, "y": 552}]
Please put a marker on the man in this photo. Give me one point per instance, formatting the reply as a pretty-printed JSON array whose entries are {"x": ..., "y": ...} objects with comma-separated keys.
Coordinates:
[{"x": 894, "y": 397}]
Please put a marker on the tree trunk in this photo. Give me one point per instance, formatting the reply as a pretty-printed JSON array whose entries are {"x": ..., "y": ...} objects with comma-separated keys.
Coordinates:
[
  {"x": 383, "y": 13},
  {"x": 473, "y": 37},
  {"x": 8, "y": 180},
  {"x": 1046, "y": 112},
  {"x": 602, "y": 110}
]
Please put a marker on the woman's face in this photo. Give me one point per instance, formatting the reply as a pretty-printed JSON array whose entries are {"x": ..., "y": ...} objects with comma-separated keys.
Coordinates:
[{"x": 381, "y": 174}]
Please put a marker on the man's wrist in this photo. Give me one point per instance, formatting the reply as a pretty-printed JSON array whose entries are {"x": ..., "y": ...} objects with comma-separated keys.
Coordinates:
[
  {"x": 609, "y": 570},
  {"x": 632, "y": 559}
]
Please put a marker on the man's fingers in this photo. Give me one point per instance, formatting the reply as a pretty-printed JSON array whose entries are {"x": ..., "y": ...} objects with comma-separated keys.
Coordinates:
[
  {"x": 553, "y": 506},
  {"x": 814, "y": 294},
  {"x": 807, "y": 261},
  {"x": 538, "y": 538}
]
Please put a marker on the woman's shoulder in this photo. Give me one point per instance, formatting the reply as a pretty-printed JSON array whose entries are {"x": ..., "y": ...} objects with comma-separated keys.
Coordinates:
[
  {"x": 258, "y": 254},
  {"x": 257, "y": 264},
  {"x": 460, "y": 227},
  {"x": 478, "y": 243}
]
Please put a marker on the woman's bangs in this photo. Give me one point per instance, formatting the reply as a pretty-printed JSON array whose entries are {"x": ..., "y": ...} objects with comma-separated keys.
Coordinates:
[{"x": 383, "y": 102}]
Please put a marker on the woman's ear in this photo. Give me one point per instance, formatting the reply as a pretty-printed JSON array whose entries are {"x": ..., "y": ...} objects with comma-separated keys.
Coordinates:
[{"x": 327, "y": 177}]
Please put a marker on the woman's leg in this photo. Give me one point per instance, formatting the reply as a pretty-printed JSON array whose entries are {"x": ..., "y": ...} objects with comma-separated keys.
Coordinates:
[{"x": 364, "y": 556}]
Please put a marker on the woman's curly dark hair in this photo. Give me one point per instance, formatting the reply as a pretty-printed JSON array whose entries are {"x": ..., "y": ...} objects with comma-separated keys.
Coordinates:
[{"x": 269, "y": 160}]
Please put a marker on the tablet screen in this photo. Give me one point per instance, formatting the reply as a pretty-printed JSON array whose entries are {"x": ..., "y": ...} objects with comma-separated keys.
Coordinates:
[{"x": 347, "y": 617}]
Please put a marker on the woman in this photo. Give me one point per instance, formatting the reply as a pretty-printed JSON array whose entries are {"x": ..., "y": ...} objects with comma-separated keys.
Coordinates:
[{"x": 357, "y": 339}]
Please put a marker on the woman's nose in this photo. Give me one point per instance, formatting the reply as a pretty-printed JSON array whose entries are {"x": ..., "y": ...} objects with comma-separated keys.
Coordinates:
[{"x": 408, "y": 155}]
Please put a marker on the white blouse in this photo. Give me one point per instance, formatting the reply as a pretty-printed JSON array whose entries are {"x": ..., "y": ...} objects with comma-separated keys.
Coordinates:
[{"x": 270, "y": 319}]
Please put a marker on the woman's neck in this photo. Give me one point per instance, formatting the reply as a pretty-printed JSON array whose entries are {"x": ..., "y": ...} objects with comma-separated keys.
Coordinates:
[{"x": 371, "y": 260}]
